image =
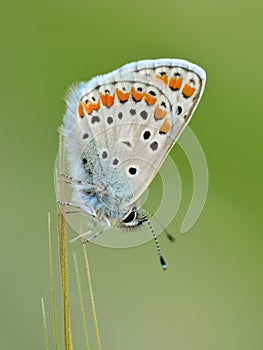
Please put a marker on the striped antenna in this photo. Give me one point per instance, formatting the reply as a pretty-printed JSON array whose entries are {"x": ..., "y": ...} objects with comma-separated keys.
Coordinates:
[
  {"x": 168, "y": 235},
  {"x": 162, "y": 261}
]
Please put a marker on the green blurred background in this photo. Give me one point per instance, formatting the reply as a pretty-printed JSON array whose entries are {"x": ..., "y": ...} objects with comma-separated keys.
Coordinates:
[{"x": 211, "y": 295}]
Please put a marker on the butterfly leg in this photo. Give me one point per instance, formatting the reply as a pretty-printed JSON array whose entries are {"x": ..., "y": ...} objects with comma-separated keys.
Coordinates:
[
  {"x": 80, "y": 182},
  {"x": 95, "y": 235},
  {"x": 82, "y": 235},
  {"x": 72, "y": 180},
  {"x": 91, "y": 211},
  {"x": 68, "y": 204},
  {"x": 73, "y": 211}
]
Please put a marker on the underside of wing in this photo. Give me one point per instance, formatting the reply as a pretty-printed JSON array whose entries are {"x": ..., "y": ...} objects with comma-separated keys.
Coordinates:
[{"x": 119, "y": 127}]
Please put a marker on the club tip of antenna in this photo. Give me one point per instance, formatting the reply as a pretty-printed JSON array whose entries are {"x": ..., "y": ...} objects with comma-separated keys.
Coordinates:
[
  {"x": 163, "y": 263},
  {"x": 170, "y": 237}
]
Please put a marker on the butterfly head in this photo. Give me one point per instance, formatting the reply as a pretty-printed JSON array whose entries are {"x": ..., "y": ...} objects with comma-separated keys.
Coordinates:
[{"x": 132, "y": 219}]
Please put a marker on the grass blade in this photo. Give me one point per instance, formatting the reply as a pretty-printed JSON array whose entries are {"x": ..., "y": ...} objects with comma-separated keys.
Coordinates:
[
  {"x": 52, "y": 284},
  {"x": 84, "y": 318},
  {"x": 62, "y": 233},
  {"x": 44, "y": 323},
  {"x": 91, "y": 296}
]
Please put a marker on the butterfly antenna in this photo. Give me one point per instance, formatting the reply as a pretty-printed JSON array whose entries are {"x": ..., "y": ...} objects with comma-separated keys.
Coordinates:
[
  {"x": 162, "y": 261},
  {"x": 168, "y": 235}
]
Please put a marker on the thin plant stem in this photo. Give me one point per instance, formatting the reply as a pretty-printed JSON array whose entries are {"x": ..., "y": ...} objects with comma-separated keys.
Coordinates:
[
  {"x": 44, "y": 323},
  {"x": 52, "y": 284},
  {"x": 64, "y": 264},
  {"x": 84, "y": 318},
  {"x": 62, "y": 232},
  {"x": 92, "y": 296}
]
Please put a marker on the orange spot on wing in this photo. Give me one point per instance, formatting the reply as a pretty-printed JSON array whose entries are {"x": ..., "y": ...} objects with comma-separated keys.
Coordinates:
[
  {"x": 95, "y": 106},
  {"x": 175, "y": 83},
  {"x": 107, "y": 100},
  {"x": 159, "y": 113},
  {"x": 81, "y": 110},
  {"x": 163, "y": 78},
  {"x": 137, "y": 96},
  {"x": 151, "y": 100},
  {"x": 165, "y": 127},
  {"x": 122, "y": 96},
  {"x": 188, "y": 90},
  {"x": 88, "y": 107}
]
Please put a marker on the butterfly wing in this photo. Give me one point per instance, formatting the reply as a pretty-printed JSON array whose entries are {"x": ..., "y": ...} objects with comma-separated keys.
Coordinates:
[{"x": 119, "y": 127}]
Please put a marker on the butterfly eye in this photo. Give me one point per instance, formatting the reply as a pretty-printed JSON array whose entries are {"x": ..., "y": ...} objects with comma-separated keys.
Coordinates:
[{"x": 130, "y": 217}]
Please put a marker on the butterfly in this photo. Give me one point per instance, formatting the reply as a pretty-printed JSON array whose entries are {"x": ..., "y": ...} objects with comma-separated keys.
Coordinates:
[{"x": 118, "y": 129}]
